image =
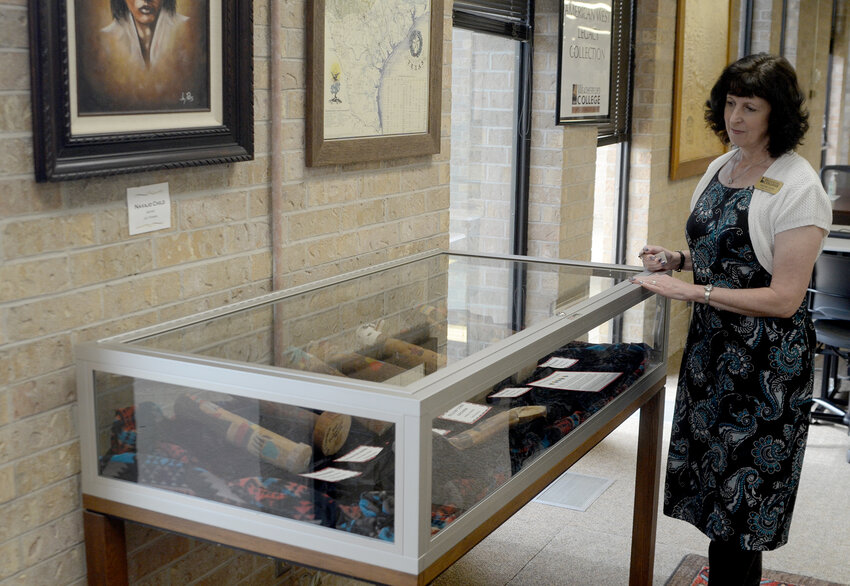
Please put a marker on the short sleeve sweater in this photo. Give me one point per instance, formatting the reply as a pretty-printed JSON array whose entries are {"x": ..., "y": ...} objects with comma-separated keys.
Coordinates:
[{"x": 800, "y": 201}]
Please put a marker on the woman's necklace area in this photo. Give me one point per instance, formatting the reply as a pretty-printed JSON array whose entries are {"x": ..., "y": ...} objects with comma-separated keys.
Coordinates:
[{"x": 733, "y": 177}]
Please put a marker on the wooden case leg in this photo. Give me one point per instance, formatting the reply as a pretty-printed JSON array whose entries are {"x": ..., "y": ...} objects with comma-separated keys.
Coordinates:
[
  {"x": 647, "y": 485},
  {"x": 106, "y": 550}
]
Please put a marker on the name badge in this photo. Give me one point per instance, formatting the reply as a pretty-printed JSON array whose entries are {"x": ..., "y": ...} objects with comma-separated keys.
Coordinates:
[{"x": 769, "y": 185}]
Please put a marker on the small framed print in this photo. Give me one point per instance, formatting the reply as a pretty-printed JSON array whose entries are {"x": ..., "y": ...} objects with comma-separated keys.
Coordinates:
[{"x": 374, "y": 80}]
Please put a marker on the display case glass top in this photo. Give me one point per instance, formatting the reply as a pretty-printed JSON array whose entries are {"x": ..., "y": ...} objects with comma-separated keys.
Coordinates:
[
  {"x": 382, "y": 415},
  {"x": 397, "y": 324}
]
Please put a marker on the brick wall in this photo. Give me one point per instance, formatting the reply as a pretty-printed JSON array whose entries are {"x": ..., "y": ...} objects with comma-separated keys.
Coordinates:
[{"x": 483, "y": 95}]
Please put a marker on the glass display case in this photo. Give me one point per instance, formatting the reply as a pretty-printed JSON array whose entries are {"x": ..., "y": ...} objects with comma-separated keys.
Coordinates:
[{"x": 378, "y": 423}]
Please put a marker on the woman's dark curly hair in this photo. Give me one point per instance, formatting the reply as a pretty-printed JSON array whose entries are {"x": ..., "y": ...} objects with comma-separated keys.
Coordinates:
[
  {"x": 120, "y": 10},
  {"x": 773, "y": 79}
]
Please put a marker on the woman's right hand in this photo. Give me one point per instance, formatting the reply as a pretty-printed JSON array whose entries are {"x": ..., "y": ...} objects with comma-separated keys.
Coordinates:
[{"x": 657, "y": 258}]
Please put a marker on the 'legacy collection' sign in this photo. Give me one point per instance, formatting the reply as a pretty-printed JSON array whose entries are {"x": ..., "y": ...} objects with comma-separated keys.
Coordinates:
[{"x": 585, "y": 59}]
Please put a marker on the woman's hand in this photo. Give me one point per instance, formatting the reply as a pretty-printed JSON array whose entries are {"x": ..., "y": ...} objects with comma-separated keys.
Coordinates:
[
  {"x": 669, "y": 287},
  {"x": 657, "y": 258}
]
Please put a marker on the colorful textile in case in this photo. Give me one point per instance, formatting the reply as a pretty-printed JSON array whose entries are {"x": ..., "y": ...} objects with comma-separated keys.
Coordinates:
[
  {"x": 170, "y": 474},
  {"x": 442, "y": 515},
  {"x": 286, "y": 498},
  {"x": 374, "y": 516},
  {"x": 123, "y": 437}
]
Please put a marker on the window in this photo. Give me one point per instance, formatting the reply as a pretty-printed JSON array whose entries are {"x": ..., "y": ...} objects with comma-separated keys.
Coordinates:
[
  {"x": 491, "y": 88},
  {"x": 483, "y": 153}
]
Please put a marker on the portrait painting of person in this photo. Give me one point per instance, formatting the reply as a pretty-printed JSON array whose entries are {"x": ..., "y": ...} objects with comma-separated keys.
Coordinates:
[{"x": 142, "y": 56}]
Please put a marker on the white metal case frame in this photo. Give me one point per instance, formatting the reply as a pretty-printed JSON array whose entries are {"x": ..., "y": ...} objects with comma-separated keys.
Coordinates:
[{"x": 411, "y": 409}]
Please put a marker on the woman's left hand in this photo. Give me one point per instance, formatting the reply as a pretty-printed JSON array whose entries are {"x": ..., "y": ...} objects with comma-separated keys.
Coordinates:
[{"x": 666, "y": 286}]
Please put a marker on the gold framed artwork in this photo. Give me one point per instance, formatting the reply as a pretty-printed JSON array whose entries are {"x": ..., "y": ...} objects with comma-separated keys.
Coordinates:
[
  {"x": 374, "y": 80},
  {"x": 703, "y": 42}
]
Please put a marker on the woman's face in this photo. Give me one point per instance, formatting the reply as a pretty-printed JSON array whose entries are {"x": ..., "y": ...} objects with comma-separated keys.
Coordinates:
[
  {"x": 746, "y": 121},
  {"x": 144, "y": 11}
]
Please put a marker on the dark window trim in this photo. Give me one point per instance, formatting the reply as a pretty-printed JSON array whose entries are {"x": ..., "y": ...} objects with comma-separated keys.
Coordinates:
[{"x": 622, "y": 76}]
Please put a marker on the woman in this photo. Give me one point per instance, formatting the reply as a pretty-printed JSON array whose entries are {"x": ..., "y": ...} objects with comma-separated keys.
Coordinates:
[{"x": 758, "y": 222}]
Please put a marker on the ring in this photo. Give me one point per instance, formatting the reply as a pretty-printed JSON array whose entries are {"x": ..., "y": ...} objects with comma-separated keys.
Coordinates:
[{"x": 653, "y": 282}]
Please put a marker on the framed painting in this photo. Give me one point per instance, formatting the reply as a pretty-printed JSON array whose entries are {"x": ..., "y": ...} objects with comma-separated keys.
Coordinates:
[
  {"x": 698, "y": 65},
  {"x": 374, "y": 80},
  {"x": 120, "y": 87}
]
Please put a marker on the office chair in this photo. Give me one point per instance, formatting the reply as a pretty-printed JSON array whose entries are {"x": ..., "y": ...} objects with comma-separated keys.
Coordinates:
[{"x": 829, "y": 306}]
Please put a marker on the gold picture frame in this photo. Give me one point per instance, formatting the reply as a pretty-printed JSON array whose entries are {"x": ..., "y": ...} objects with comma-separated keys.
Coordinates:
[
  {"x": 704, "y": 43},
  {"x": 421, "y": 46}
]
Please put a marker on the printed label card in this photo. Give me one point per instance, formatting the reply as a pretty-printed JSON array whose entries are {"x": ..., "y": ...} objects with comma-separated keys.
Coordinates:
[
  {"x": 148, "y": 208},
  {"x": 510, "y": 392},
  {"x": 466, "y": 413},
  {"x": 331, "y": 474},
  {"x": 558, "y": 362},
  {"x": 590, "y": 382},
  {"x": 361, "y": 454}
]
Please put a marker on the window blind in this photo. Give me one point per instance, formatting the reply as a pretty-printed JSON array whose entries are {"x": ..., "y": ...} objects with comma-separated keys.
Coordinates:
[
  {"x": 618, "y": 128},
  {"x": 510, "y": 18}
]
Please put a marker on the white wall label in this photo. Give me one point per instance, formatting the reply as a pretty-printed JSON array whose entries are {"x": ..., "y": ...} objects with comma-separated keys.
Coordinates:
[{"x": 148, "y": 208}]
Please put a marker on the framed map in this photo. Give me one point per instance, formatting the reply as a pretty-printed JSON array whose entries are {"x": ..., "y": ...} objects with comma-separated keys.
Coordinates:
[
  {"x": 374, "y": 72},
  {"x": 698, "y": 65}
]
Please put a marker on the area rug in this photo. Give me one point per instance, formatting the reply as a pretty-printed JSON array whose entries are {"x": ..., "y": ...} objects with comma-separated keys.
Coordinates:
[{"x": 693, "y": 571}]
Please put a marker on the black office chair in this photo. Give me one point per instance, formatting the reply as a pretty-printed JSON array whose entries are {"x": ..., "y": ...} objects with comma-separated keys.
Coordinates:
[{"x": 829, "y": 305}]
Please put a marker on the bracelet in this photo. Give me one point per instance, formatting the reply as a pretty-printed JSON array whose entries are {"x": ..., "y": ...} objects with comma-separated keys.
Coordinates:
[
  {"x": 707, "y": 293},
  {"x": 678, "y": 269}
]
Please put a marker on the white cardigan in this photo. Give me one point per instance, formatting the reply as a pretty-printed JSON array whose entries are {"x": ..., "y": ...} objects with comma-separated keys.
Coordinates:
[{"x": 800, "y": 201}]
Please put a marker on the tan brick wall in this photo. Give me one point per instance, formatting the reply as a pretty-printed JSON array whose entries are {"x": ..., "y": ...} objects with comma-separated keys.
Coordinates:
[
  {"x": 483, "y": 95},
  {"x": 70, "y": 272}
]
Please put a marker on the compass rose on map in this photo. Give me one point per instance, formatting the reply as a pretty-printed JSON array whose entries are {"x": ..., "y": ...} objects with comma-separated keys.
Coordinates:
[{"x": 416, "y": 54}]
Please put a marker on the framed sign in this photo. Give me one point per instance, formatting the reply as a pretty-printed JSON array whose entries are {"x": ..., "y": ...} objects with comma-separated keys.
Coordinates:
[
  {"x": 584, "y": 61},
  {"x": 124, "y": 86},
  {"x": 374, "y": 79},
  {"x": 698, "y": 65}
]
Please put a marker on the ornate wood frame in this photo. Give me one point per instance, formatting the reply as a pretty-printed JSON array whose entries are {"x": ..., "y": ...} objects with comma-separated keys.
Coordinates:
[{"x": 61, "y": 155}]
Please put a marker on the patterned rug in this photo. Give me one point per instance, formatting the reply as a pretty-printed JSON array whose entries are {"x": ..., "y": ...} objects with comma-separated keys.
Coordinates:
[{"x": 693, "y": 571}]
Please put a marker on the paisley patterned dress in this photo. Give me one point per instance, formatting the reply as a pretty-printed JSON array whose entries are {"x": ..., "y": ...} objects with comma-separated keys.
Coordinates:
[{"x": 744, "y": 393}]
